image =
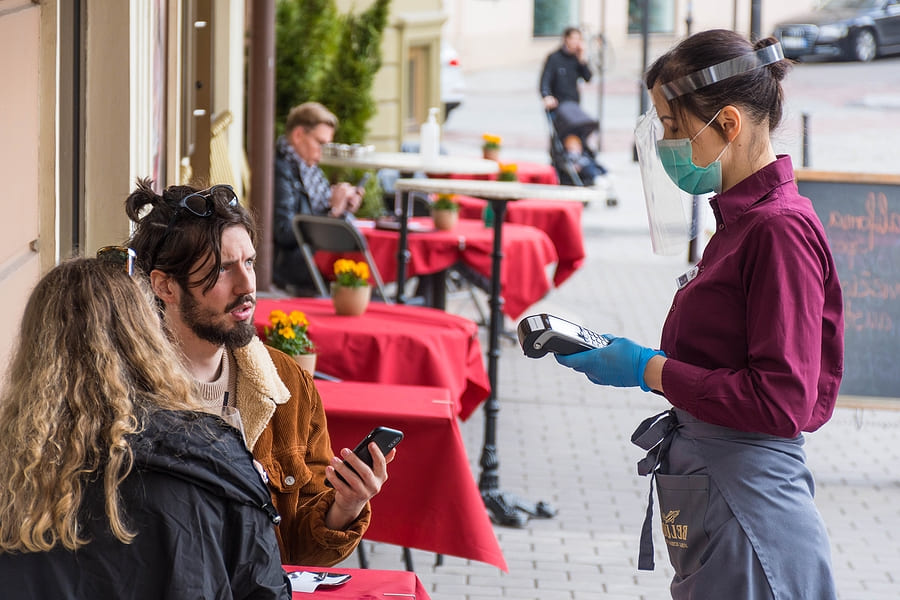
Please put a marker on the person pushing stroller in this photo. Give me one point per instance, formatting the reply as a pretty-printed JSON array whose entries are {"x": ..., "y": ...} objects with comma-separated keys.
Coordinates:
[
  {"x": 562, "y": 70},
  {"x": 570, "y": 126}
]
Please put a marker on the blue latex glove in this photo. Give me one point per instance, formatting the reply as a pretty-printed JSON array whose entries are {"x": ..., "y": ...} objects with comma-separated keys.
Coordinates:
[{"x": 620, "y": 364}]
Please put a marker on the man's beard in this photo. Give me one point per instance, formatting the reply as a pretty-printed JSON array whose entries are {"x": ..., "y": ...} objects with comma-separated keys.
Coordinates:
[{"x": 201, "y": 322}]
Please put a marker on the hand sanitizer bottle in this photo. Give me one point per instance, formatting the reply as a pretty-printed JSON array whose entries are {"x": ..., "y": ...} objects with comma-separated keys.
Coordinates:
[{"x": 430, "y": 136}]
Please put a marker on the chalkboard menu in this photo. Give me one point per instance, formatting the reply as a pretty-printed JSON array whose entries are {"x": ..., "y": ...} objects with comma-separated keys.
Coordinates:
[{"x": 861, "y": 215}]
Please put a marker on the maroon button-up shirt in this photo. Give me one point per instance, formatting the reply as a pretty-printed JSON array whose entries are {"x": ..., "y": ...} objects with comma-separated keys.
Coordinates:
[{"x": 756, "y": 340}]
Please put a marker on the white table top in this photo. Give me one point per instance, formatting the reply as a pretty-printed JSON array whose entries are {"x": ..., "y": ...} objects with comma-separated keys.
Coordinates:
[
  {"x": 411, "y": 162},
  {"x": 501, "y": 190}
]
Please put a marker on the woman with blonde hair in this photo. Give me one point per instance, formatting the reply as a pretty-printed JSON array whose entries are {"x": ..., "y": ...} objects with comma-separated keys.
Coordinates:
[{"x": 112, "y": 484}]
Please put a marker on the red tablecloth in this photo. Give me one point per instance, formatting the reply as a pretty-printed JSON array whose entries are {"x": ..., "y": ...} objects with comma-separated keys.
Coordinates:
[
  {"x": 527, "y": 172},
  {"x": 366, "y": 583},
  {"x": 527, "y": 252},
  {"x": 394, "y": 344},
  {"x": 430, "y": 500},
  {"x": 560, "y": 220}
]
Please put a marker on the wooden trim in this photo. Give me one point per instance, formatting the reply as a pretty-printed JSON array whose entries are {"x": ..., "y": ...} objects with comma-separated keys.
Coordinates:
[
  {"x": 872, "y": 402},
  {"x": 844, "y": 177}
]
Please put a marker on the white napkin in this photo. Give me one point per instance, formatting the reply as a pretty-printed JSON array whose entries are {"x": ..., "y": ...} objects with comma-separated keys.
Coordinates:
[{"x": 308, "y": 581}]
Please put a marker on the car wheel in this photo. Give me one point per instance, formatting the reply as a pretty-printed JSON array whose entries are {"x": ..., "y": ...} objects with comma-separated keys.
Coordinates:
[{"x": 865, "y": 46}]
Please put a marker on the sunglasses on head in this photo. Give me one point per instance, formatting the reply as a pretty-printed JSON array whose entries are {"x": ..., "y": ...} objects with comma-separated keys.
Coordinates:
[
  {"x": 200, "y": 204},
  {"x": 119, "y": 255},
  {"x": 203, "y": 204}
]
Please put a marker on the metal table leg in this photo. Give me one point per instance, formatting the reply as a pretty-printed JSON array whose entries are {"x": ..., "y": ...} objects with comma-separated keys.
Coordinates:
[
  {"x": 505, "y": 509},
  {"x": 402, "y": 199}
]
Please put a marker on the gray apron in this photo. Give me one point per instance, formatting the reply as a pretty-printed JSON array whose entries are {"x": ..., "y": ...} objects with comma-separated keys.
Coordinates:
[{"x": 737, "y": 512}]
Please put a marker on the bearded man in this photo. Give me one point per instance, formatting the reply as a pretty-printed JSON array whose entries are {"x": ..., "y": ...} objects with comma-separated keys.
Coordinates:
[{"x": 197, "y": 248}]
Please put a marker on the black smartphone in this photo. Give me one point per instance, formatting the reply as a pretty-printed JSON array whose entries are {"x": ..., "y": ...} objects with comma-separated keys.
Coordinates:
[{"x": 384, "y": 437}]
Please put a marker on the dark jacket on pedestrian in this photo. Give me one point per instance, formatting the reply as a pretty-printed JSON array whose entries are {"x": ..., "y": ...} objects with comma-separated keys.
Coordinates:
[
  {"x": 203, "y": 520},
  {"x": 560, "y": 76}
]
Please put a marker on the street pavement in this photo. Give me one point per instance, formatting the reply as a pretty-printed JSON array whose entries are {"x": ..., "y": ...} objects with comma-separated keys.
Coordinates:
[{"x": 565, "y": 441}]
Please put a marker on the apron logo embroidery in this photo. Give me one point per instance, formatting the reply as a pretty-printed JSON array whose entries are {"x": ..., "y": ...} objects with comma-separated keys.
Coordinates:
[
  {"x": 670, "y": 516},
  {"x": 676, "y": 535}
]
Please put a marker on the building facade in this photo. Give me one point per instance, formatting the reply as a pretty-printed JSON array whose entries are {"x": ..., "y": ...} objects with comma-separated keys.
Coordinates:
[{"x": 529, "y": 30}]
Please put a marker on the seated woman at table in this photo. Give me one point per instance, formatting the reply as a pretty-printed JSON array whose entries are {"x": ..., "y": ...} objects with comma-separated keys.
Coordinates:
[{"x": 113, "y": 485}]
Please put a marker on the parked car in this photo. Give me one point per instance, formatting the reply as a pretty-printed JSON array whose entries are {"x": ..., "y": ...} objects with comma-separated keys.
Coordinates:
[
  {"x": 453, "y": 86},
  {"x": 851, "y": 29}
]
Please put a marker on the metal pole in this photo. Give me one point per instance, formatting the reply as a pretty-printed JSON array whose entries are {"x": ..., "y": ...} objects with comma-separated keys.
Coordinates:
[
  {"x": 693, "y": 250},
  {"x": 689, "y": 19},
  {"x": 645, "y": 42},
  {"x": 805, "y": 137},
  {"x": 645, "y": 47},
  {"x": 755, "y": 19},
  {"x": 601, "y": 57}
]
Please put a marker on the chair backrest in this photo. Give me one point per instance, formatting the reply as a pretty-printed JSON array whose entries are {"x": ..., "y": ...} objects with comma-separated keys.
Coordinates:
[{"x": 330, "y": 234}]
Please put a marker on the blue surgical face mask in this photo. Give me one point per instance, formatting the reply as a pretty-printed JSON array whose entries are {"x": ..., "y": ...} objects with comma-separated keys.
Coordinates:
[{"x": 677, "y": 159}]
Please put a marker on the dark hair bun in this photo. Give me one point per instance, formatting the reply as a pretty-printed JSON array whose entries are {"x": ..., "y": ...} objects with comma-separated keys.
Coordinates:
[
  {"x": 778, "y": 69},
  {"x": 142, "y": 195}
]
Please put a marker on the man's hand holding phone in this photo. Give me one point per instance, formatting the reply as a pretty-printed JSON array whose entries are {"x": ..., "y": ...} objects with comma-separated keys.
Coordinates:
[{"x": 359, "y": 476}]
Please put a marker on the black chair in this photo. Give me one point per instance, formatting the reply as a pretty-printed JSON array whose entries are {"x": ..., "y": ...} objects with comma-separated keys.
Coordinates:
[{"x": 330, "y": 234}]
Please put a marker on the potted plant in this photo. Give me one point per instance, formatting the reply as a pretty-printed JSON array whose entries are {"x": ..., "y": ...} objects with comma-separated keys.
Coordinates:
[
  {"x": 490, "y": 149},
  {"x": 350, "y": 291},
  {"x": 445, "y": 212},
  {"x": 508, "y": 172},
  {"x": 290, "y": 334}
]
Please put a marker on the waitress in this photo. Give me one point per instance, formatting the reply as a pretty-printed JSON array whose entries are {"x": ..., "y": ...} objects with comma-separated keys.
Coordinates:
[{"x": 752, "y": 349}]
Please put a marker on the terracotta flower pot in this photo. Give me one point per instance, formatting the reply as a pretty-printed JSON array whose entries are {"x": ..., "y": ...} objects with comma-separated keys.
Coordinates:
[
  {"x": 350, "y": 301},
  {"x": 491, "y": 153},
  {"x": 445, "y": 219},
  {"x": 307, "y": 362}
]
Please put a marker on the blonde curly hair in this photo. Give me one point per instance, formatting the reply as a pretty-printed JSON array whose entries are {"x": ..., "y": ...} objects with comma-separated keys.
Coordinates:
[{"x": 91, "y": 363}]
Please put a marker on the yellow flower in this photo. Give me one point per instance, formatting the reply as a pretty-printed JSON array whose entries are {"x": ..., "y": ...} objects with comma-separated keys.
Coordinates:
[
  {"x": 289, "y": 333},
  {"x": 362, "y": 270},
  {"x": 491, "y": 141},
  {"x": 445, "y": 202},
  {"x": 350, "y": 273},
  {"x": 298, "y": 318},
  {"x": 508, "y": 172}
]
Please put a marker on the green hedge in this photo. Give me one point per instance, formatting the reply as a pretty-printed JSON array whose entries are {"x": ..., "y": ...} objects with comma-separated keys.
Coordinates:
[{"x": 328, "y": 57}]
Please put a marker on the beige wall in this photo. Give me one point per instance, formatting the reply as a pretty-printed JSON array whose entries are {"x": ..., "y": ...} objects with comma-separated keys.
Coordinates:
[
  {"x": 474, "y": 27},
  {"x": 107, "y": 124},
  {"x": 20, "y": 68},
  {"x": 37, "y": 175},
  {"x": 411, "y": 23}
]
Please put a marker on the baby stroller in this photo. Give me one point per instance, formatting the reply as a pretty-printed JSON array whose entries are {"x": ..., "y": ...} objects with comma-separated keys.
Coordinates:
[{"x": 577, "y": 164}]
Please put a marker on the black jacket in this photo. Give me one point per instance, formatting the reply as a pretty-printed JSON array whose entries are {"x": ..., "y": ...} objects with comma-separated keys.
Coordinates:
[
  {"x": 290, "y": 198},
  {"x": 203, "y": 518},
  {"x": 560, "y": 76}
]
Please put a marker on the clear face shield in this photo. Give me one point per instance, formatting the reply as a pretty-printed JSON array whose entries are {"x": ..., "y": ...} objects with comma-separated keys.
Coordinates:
[{"x": 669, "y": 207}]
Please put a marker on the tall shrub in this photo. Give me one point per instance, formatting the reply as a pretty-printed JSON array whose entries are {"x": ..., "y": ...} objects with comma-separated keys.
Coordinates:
[
  {"x": 326, "y": 57},
  {"x": 306, "y": 34},
  {"x": 349, "y": 80}
]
